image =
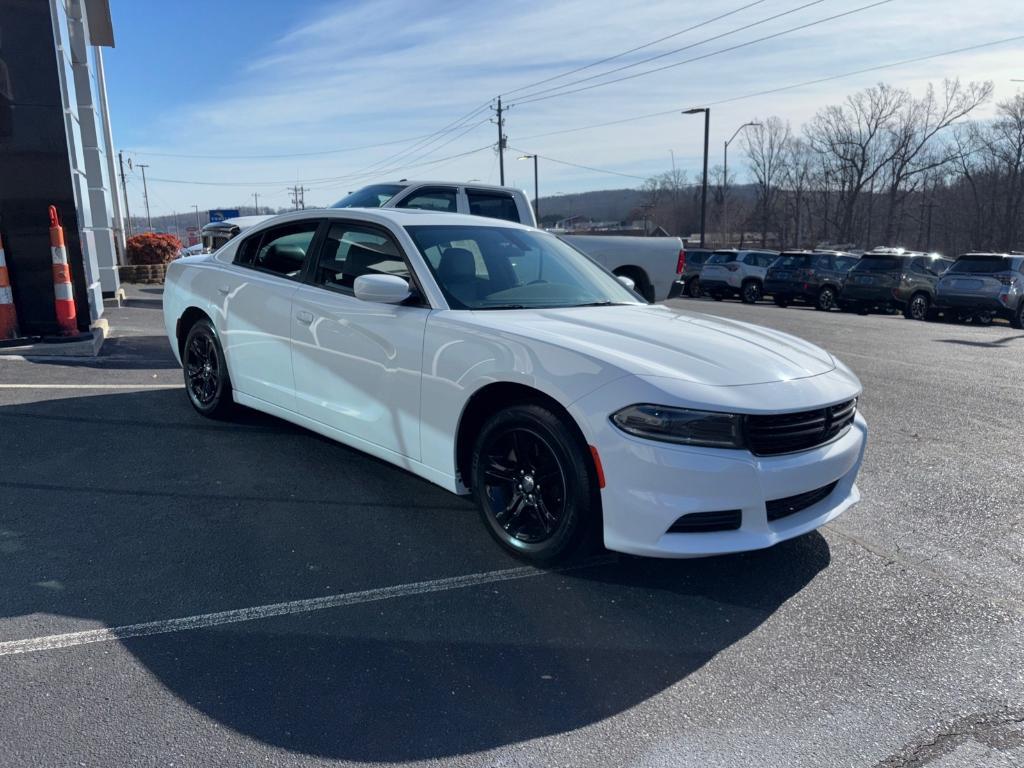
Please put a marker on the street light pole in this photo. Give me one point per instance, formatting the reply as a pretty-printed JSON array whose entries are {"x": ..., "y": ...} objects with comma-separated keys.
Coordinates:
[
  {"x": 725, "y": 183},
  {"x": 145, "y": 195},
  {"x": 704, "y": 184},
  {"x": 536, "y": 194}
]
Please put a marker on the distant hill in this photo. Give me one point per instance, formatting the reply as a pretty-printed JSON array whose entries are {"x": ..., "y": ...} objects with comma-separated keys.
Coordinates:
[{"x": 600, "y": 205}]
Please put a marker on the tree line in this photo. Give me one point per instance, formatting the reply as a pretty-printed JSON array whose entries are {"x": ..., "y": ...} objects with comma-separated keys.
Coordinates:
[{"x": 884, "y": 167}]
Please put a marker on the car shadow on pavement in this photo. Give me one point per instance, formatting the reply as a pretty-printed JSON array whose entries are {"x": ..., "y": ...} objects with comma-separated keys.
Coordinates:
[
  {"x": 203, "y": 516},
  {"x": 1000, "y": 342},
  {"x": 120, "y": 353}
]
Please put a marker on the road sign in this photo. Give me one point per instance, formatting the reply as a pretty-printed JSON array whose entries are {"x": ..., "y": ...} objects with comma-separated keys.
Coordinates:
[{"x": 219, "y": 214}]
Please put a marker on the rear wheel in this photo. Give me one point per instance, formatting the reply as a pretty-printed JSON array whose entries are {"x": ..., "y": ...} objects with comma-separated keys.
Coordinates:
[
  {"x": 206, "y": 372},
  {"x": 826, "y": 299},
  {"x": 751, "y": 292},
  {"x": 983, "y": 318},
  {"x": 533, "y": 482},
  {"x": 693, "y": 288},
  {"x": 918, "y": 307}
]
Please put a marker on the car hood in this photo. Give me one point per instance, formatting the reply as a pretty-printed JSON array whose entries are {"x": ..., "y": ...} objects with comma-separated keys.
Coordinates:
[{"x": 659, "y": 341}]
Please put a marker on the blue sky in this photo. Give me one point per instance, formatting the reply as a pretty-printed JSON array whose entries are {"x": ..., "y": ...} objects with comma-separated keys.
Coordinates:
[{"x": 279, "y": 93}]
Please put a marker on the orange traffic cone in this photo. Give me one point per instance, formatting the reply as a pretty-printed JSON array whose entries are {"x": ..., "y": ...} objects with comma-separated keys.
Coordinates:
[
  {"x": 8, "y": 315},
  {"x": 67, "y": 316}
]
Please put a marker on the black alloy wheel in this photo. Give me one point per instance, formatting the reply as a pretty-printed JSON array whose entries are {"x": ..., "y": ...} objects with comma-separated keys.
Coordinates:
[
  {"x": 918, "y": 307},
  {"x": 983, "y": 318},
  {"x": 206, "y": 373},
  {"x": 751, "y": 293},
  {"x": 826, "y": 299},
  {"x": 533, "y": 482},
  {"x": 693, "y": 288}
]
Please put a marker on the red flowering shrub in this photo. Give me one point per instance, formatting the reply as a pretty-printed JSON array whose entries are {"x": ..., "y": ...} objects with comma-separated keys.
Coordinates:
[{"x": 152, "y": 248}]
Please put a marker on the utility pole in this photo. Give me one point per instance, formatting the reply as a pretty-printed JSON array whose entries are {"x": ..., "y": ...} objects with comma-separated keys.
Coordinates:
[
  {"x": 256, "y": 200},
  {"x": 198, "y": 226},
  {"x": 124, "y": 191},
  {"x": 299, "y": 196},
  {"x": 145, "y": 195},
  {"x": 725, "y": 184},
  {"x": 502, "y": 139}
]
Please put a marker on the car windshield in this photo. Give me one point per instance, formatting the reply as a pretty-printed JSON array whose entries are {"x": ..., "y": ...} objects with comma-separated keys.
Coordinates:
[
  {"x": 373, "y": 196},
  {"x": 792, "y": 262},
  {"x": 986, "y": 265},
  {"x": 878, "y": 264},
  {"x": 504, "y": 268},
  {"x": 721, "y": 258}
]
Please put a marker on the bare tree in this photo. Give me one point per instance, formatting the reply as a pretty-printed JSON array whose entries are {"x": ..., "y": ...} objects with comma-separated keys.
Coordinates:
[{"x": 765, "y": 145}]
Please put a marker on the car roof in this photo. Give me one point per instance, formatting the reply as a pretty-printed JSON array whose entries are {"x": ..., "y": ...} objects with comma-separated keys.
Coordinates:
[
  {"x": 442, "y": 183},
  {"x": 400, "y": 217},
  {"x": 987, "y": 255}
]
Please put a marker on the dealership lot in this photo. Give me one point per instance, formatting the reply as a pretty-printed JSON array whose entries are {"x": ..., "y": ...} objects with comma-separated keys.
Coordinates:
[{"x": 303, "y": 604}]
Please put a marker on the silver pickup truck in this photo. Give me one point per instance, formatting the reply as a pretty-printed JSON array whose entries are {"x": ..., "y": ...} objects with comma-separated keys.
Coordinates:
[{"x": 652, "y": 263}]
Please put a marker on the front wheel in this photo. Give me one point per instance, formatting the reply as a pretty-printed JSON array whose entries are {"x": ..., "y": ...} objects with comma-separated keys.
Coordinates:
[
  {"x": 1017, "y": 318},
  {"x": 206, "y": 372},
  {"x": 826, "y": 299},
  {"x": 751, "y": 292},
  {"x": 918, "y": 308},
  {"x": 534, "y": 483}
]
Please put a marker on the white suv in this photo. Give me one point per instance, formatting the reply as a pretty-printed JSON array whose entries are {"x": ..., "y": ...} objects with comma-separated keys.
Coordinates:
[{"x": 730, "y": 272}]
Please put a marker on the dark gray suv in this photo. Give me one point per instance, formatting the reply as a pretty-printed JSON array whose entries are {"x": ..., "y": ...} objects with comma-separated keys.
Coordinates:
[
  {"x": 812, "y": 277},
  {"x": 892, "y": 278},
  {"x": 982, "y": 286}
]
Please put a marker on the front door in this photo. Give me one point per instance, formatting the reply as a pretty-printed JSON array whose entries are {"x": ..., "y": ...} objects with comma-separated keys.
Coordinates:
[{"x": 358, "y": 364}]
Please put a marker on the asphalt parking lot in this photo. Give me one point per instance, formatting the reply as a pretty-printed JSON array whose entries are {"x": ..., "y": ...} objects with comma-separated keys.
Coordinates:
[{"x": 176, "y": 591}]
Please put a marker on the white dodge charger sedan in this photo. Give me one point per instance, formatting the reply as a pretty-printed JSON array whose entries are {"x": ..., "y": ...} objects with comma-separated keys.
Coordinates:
[{"x": 495, "y": 360}]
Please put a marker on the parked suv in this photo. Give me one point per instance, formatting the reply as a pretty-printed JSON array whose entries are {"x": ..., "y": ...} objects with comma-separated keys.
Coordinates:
[
  {"x": 983, "y": 286},
  {"x": 893, "y": 278},
  {"x": 689, "y": 280},
  {"x": 736, "y": 273},
  {"x": 814, "y": 277}
]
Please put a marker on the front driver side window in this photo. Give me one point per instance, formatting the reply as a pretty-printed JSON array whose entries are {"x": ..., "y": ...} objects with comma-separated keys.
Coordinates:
[
  {"x": 350, "y": 250},
  {"x": 432, "y": 199}
]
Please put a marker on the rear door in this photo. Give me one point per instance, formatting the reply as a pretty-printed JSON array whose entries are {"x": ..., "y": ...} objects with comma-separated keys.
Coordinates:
[
  {"x": 494, "y": 204},
  {"x": 257, "y": 299},
  {"x": 358, "y": 364}
]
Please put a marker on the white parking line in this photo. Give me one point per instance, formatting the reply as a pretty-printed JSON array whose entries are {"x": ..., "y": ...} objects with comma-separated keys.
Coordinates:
[
  {"x": 203, "y": 620},
  {"x": 92, "y": 386}
]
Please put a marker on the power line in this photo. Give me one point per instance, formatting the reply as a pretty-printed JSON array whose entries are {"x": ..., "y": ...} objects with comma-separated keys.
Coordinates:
[
  {"x": 792, "y": 86},
  {"x": 687, "y": 47},
  {"x": 278, "y": 156},
  {"x": 729, "y": 49},
  {"x": 632, "y": 50},
  {"x": 585, "y": 167}
]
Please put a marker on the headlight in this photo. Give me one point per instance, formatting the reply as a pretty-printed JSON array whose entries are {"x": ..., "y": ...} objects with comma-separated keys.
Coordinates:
[{"x": 681, "y": 425}]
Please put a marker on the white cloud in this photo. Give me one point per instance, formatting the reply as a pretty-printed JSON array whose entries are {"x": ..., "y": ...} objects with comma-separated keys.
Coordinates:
[{"x": 379, "y": 70}]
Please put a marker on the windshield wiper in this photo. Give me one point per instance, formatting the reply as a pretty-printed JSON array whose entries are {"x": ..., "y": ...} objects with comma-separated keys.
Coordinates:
[
  {"x": 503, "y": 306},
  {"x": 602, "y": 303}
]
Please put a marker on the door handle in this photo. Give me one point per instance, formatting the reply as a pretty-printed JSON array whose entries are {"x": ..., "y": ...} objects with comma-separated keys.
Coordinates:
[
  {"x": 304, "y": 317},
  {"x": 223, "y": 290}
]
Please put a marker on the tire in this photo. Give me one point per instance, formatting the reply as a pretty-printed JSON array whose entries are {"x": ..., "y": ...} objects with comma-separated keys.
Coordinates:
[
  {"x": 751, "y": 292},
  {"x": 1017, "y": 318},
  {"x": 826, "y": 299},
  {"x": 537, "y": 521},
  {"x": 781, "y": 301},
  {"x": 693, "y": 288},
  {"x": 918, "y": 307},
  {"x": 205, "y": 371},
  {"x": 983, "y": 318}
]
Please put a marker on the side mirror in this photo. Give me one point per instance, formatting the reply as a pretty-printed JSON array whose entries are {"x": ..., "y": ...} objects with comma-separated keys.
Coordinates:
[
  {"x": 627, "y": 281},
  {"x": 383, "y": 289}
]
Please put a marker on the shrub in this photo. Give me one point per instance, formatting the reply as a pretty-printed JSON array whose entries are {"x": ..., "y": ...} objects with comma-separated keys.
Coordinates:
[{"x": 152, "y": 248}]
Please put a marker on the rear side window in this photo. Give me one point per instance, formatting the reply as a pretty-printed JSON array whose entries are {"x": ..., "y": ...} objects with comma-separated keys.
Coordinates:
[
  {"x": 494, "y": 205},
  {"x": 696, "y": 259},
  {"x": 795, "y": 261},
  {"x": 824, "y": 261},
  {"x": 983, "y": 265},
  {"x": 352, "y": 249},
  {"x": 373, "y": 196},
  {"x": 280, "y": 250},
  {"x": 846, "y": 263},
  {"x": 721, "y": 257},
  {"x": 443, "y": 199}
]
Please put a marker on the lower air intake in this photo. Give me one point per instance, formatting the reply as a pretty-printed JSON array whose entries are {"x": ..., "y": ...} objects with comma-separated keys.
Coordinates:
[
  {"x": 707, "y": 522},
  {"x": 790, "y": 505}
]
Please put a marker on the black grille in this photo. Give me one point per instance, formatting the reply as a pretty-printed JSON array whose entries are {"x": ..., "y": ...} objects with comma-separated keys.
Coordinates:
[
  {"x": 789, "y": 432},
  {"x": 790, "y": 505},
  {"x": 706, "y": 522}
]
